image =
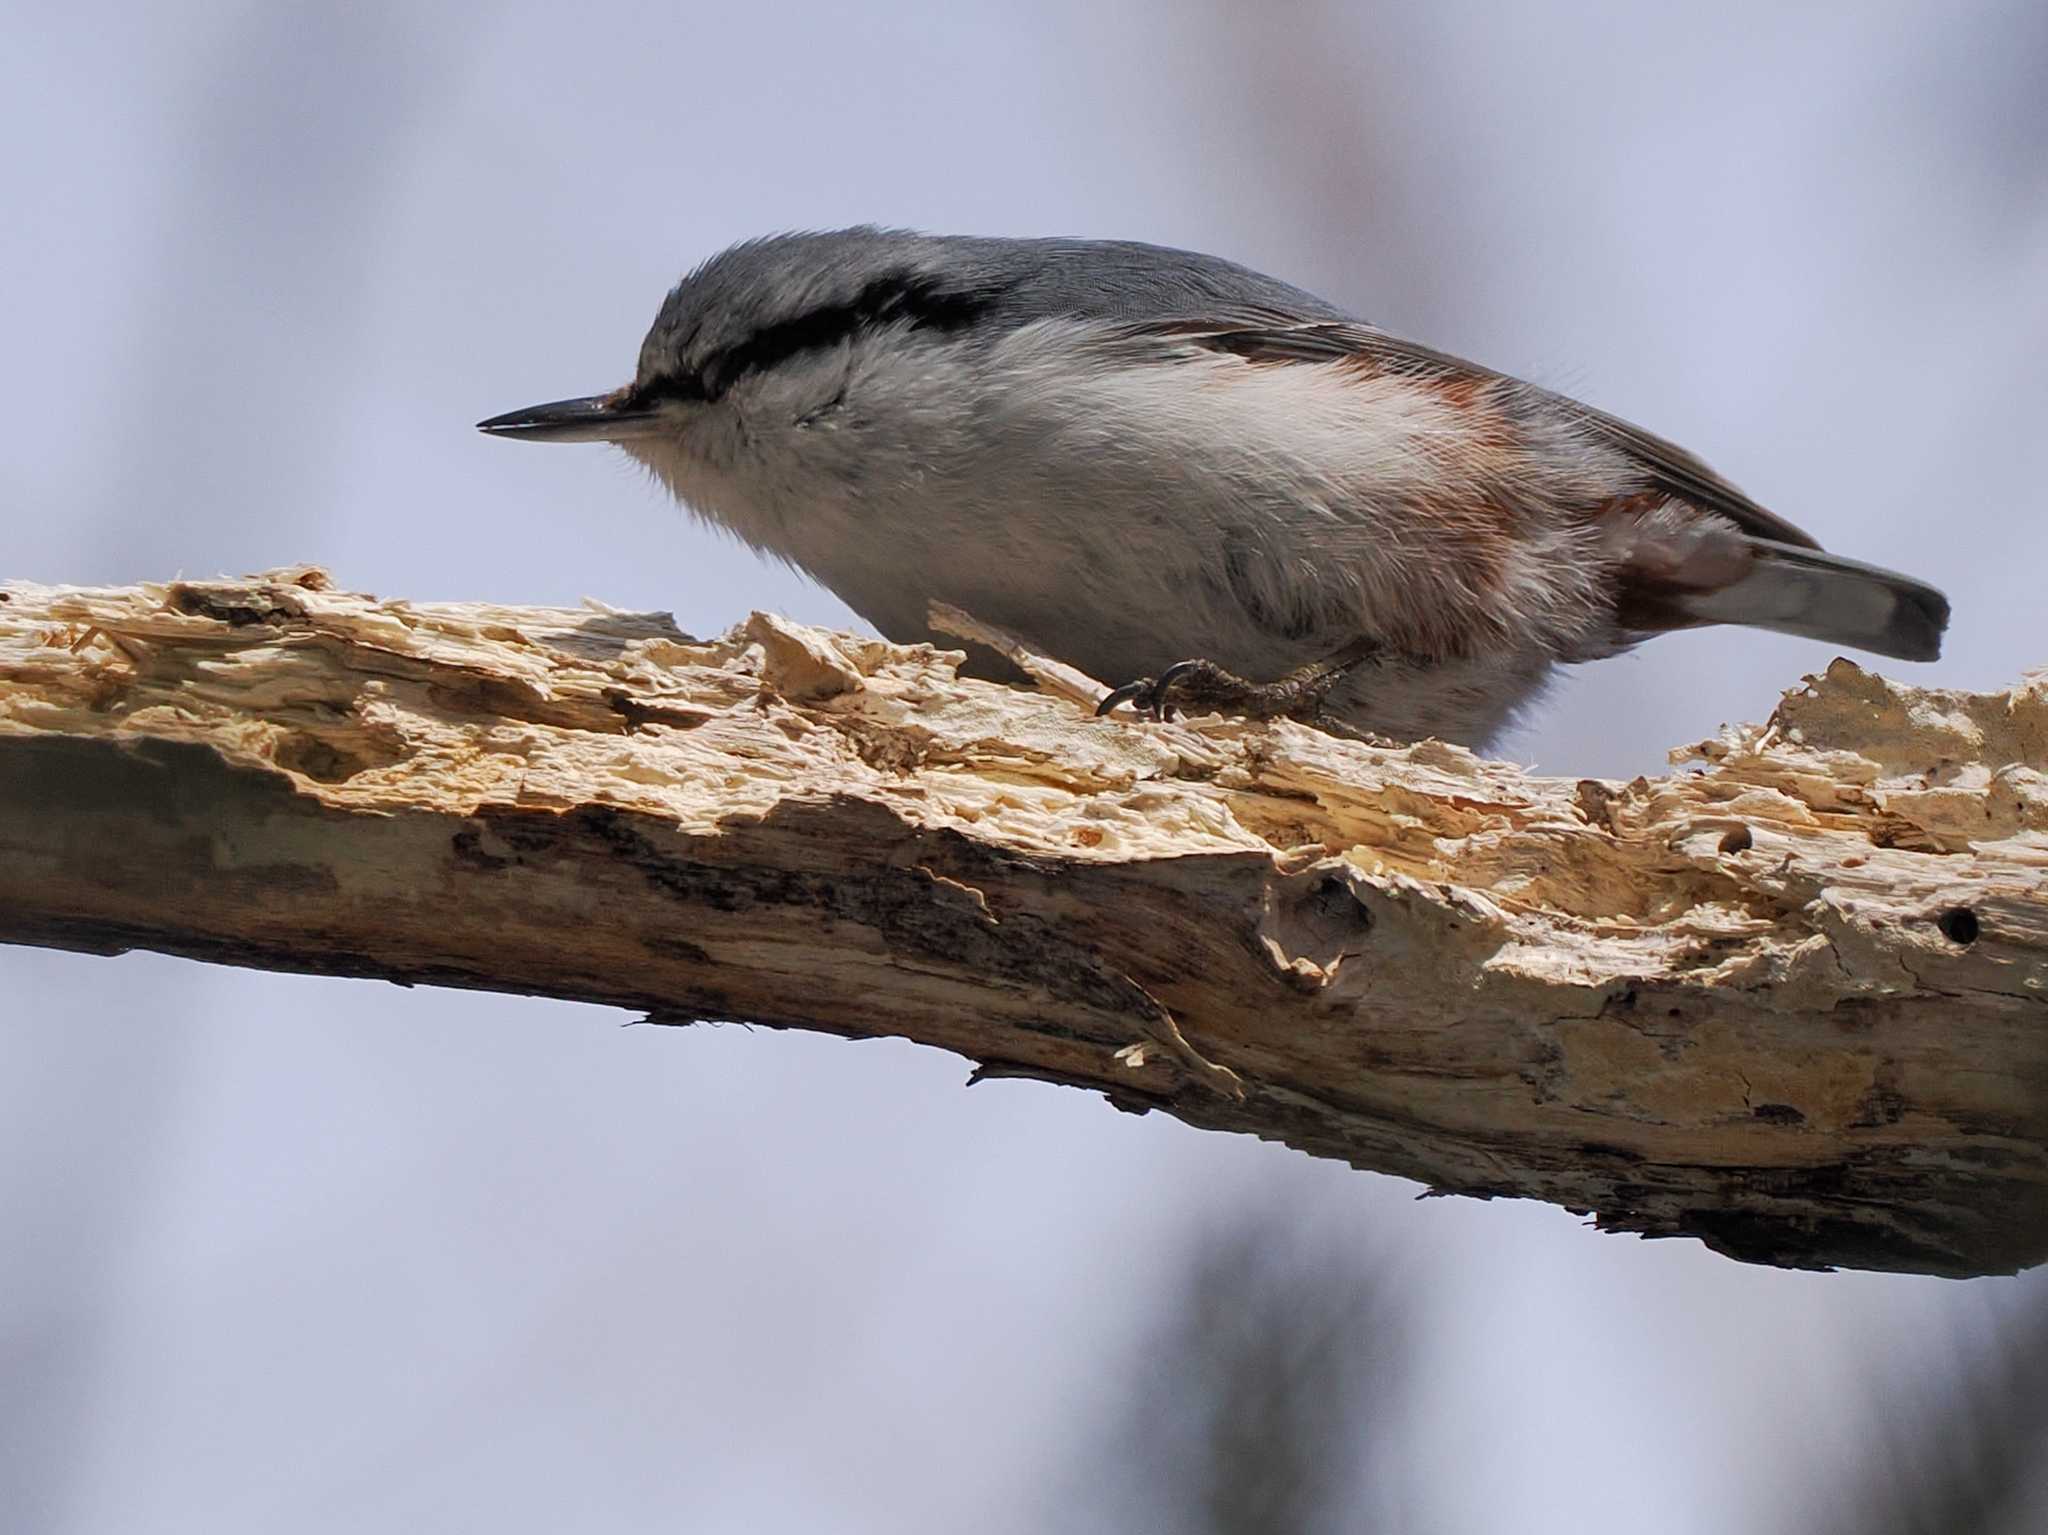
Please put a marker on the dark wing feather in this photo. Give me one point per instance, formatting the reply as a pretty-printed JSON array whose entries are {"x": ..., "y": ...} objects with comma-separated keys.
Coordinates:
[
  {"x": 1273, "y": 337},
  {"x": 1688, "y": 477}
]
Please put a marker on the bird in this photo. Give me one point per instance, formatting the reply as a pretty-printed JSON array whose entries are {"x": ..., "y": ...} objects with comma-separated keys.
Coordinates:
[{"x": 1196, "y": 482}]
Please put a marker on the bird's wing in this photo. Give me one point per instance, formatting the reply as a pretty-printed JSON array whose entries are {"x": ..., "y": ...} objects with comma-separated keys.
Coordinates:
[{"x": 1270, "y": 336}]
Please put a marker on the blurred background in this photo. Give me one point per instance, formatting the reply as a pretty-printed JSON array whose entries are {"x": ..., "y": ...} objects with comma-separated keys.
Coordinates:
[{"x": 287, "y": 1253}]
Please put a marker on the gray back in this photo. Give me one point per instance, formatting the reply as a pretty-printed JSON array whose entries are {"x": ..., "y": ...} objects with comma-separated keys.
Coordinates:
[{"x": 843, "y": 277}]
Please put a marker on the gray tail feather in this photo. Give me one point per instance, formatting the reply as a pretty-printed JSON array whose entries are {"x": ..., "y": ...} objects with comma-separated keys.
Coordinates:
[{"x": 1825, "y": 597}]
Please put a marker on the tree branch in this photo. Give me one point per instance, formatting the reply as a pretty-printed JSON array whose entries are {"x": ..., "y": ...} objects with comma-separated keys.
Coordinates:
[{"x": 1794, "y": 1004}]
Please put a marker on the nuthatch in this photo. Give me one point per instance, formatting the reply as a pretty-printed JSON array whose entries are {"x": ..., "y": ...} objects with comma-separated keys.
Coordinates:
[{"x": 1149, "y": 463}]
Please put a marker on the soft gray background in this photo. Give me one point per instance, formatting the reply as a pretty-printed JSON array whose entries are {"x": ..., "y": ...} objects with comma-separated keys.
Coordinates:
[{"x": 283, "y": 1253}]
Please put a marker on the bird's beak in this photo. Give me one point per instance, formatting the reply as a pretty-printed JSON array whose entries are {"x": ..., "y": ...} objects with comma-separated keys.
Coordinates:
[{"x": 594, "y": 418}]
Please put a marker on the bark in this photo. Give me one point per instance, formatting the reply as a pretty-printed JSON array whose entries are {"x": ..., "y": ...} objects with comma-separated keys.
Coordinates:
[{"x": 1791, "y": 1000}]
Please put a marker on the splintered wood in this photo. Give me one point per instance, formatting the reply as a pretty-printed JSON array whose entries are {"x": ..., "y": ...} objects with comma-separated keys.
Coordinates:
[{"x": 1791, "y": 999}]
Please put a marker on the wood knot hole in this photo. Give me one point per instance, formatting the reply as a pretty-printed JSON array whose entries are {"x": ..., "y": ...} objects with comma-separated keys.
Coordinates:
[{"x": 1959, "y": 925}]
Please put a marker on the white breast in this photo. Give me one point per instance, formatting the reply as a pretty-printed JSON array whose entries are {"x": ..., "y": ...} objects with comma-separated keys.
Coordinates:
[{"x": 1122, "y": 507}]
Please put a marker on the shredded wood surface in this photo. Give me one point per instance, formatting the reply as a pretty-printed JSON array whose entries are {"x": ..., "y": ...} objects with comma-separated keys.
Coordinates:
[{"x": 1791, "y": 999}]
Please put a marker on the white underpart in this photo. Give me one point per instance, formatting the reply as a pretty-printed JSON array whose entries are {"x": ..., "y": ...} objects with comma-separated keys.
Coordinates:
[{"x": 1125, "y": 505}]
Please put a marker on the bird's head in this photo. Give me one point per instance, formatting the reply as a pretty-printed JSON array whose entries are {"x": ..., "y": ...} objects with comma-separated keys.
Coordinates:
[{"x": 770, "y": 322}]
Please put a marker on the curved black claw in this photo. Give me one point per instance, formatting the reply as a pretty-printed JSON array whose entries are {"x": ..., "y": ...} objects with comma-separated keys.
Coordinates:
[
  {"x": 1201, "y": 682},
  {"x": 1130, "y": 692},
  {"x": 1162, "y": 686}
]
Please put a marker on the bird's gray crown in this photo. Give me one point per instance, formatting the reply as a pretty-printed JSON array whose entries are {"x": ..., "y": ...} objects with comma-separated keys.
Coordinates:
[{"x": 766, "y": 300}]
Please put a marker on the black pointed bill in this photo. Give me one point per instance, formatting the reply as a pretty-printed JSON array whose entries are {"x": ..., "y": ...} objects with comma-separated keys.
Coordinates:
[{"x": 594, "y": 418}]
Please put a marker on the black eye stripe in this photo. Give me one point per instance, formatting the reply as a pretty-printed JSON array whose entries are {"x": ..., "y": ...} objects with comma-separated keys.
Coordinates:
[
  {"x": 902, "y": 297},
  {"x": 669, "y": 386}
]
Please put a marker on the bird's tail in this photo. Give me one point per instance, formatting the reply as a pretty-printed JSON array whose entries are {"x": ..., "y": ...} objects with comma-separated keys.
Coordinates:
[{"x": 1825, "y": 597}]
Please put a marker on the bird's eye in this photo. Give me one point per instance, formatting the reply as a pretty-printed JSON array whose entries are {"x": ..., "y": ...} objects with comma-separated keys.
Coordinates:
[{"x": 670, "y": 386}]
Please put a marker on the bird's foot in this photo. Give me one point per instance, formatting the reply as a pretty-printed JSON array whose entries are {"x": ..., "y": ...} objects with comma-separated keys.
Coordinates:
[{"x": 1203, "y": 687}]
